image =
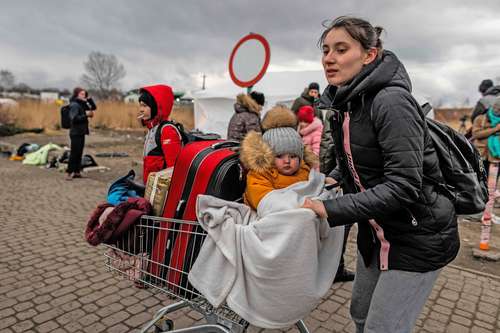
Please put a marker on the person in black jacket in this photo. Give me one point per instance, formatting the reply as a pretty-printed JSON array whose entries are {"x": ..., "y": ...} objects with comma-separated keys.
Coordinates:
[
  {"x": 406, "y": 230},
  {"x": 81, "y": 108},
  {"x": 309, "y": 96}
]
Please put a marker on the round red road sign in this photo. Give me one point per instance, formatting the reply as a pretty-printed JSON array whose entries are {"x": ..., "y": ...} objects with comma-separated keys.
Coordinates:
[{"x": 249, "y": 60}]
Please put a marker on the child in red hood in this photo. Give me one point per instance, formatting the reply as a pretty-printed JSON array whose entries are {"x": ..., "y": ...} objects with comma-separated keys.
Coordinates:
[{"x": 155, "y": 105}]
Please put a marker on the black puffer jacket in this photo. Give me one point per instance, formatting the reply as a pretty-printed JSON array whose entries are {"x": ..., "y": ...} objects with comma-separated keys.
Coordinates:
[
  {"x": 305, "y": 100},
  {"x": 391, "y": 151},
  {"x": 79, "y": 121}
]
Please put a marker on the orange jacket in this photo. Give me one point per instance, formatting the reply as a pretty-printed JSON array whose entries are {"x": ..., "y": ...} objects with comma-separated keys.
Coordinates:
[{"x": 259, "y": 184}]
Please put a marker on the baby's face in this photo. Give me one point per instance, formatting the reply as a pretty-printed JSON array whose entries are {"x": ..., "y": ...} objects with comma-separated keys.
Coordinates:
[{"x": 287, "y": 164}]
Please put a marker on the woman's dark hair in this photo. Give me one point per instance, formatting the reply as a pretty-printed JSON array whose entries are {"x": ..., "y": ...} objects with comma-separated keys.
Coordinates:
[
  {"x": 77, "y": 90},
  {"x": 361, "y": 30}
]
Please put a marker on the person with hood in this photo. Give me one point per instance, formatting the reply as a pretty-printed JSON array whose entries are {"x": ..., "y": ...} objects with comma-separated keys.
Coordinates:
[
  {"x": 489, "y": 93},
  {"x": 155, "y": 106},
  {"x": 310, "y": 128},
  {"x": 407, "y": 230},
  {"x": 246, "y": 117},
  {"x": 81, "y": 107},
  {"x": 309, "y": 96}
]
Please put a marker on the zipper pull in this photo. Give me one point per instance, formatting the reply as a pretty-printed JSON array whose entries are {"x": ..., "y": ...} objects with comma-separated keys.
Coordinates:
[{"x": 414, "y": 221}]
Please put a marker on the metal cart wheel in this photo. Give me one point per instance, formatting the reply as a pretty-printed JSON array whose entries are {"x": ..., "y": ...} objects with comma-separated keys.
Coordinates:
[{"x": 164, "y": 325}]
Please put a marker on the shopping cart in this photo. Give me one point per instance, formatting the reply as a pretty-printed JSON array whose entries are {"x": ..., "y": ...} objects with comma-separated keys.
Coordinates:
[{"x": 150, "y": 255}]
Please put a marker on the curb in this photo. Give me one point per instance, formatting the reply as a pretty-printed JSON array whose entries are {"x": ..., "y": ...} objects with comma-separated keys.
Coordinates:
[{"x": 460, "y": 268}]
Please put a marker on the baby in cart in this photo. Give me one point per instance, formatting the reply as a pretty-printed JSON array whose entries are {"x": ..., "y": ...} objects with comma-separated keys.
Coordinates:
[
  {"x": 277, "y": 158},
  {"x": 272, "y": 266}
]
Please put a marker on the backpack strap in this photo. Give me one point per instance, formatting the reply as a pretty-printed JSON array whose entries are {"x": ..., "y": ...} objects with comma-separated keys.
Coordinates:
[{"x": 178, "y": 127}]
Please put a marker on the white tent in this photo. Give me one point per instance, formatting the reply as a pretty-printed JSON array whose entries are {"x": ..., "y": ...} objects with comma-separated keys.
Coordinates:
[{"x": 213, "y": 107}]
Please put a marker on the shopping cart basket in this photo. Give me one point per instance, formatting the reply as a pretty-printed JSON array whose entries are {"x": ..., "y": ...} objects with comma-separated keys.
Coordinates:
[{"x": 158, "y": 253}]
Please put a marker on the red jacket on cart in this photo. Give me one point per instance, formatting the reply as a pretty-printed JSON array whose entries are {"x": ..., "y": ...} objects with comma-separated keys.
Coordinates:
[{"x": 162, "y": 154}]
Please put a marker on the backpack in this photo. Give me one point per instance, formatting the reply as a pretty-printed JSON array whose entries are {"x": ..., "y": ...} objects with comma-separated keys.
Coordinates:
[
  {"x": 65, "y": 119},
  {"x": 186, "y": 137},
  {"x": 465, "y": 181},
  {"x": 463, "y": 170}
]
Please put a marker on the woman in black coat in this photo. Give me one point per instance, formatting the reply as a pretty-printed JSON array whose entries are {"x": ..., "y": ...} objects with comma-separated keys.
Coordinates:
[
  {"x": 406, "y": 230},
  {"x": 80, "y": 109}
]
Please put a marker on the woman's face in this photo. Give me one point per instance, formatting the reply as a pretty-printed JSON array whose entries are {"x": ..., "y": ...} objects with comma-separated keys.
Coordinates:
[
  {"x": 344, "y": 57},
  {"x": 144, "y": 111},
  {"x": 82, "y": 95}
]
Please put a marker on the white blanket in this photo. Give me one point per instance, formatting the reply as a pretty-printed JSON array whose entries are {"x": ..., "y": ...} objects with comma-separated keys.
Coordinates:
[{"x": 273, "y": 267}]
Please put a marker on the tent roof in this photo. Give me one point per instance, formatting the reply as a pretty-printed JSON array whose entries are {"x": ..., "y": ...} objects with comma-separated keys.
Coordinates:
[{"x": 283, "y": 84}]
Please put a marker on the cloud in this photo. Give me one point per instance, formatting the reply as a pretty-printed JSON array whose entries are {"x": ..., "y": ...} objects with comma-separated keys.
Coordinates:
[{"x": 448, "y": 46}]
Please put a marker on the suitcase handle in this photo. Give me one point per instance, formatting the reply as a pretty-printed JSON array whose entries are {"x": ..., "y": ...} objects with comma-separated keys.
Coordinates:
[{"x": 225, "y": 144}]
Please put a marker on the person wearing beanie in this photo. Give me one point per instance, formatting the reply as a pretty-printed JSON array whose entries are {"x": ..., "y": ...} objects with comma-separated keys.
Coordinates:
[
  {"x": 275, "y": 159},
  {"x": 489, "y": 92},
  {"x": 310, "y": 128},
  {"x": 485, "y": 85},
  {"x": 258, "y": 97},
  {"x": 81, "y": 108},
  {"x": 246, "y": 116},
  {"x": 309, "y": 97},
  {"x": 155, "y": 106},
  {"x": 314, "y": 89}
]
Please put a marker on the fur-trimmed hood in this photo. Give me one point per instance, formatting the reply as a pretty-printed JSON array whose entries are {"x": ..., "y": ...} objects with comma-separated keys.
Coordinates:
[
  {"x": 245, "y": 103},
  {"x": 257, "y": 155}
]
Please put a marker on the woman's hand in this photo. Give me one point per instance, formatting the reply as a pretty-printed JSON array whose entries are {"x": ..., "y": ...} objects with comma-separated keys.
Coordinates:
[
  {"x": 89, "y": 114},
  {"x": 316, "y": 206}
]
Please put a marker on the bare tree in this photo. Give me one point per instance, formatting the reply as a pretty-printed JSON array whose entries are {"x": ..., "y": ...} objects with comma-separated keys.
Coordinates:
[
  {"x": 22, "y": 88},
  {"x": 7, "y": 79},
  {"x": 103, "y": 73}
]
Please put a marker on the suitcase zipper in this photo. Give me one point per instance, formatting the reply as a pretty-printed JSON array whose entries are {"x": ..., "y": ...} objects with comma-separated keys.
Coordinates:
[{"x": 215, "y": 184}]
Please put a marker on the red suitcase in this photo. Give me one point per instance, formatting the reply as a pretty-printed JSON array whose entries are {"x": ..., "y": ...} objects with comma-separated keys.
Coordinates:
[{"x": 203, "y": 167}]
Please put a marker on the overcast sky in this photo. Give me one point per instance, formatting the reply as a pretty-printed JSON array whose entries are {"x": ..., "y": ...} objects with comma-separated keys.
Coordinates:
[{"x": 447, "y": 46}]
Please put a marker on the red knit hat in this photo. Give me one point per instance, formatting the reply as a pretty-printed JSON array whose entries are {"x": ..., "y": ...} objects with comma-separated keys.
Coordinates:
[{"x": 306, "y": 113}]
